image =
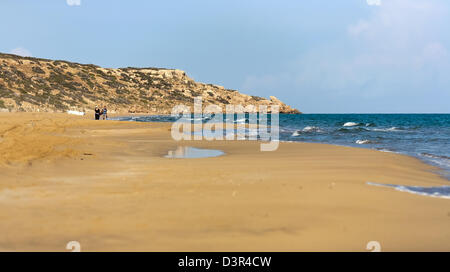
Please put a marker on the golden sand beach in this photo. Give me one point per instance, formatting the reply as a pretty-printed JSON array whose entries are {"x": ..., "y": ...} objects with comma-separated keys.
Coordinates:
[{"x": 107, "y": 185}]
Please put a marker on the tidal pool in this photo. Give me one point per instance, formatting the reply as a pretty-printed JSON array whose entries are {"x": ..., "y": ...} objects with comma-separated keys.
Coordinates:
[{"x": 187, "y": 152}]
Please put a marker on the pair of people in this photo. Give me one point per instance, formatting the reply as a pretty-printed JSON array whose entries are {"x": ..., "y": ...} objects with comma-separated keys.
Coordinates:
[{"x": 101, "y": 112}]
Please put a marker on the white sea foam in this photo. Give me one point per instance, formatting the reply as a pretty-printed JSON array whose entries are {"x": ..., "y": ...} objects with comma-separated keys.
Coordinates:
[
  {"x": 306, "y": 130},
  {"x": 350, "y": 124},
  {"x": 433, "y": 191},
  {"x": 311, "y": 129},
  {"x": 444, "y": 163},
  {"x": 240, "y": 121},
  {"x": 363, "y": 142},
  {"x": 386, "y": 129},
  {"x": 435, "y": 156},
  {"x": 200, "y": 118},
  {"x": 387, "y": 150}
]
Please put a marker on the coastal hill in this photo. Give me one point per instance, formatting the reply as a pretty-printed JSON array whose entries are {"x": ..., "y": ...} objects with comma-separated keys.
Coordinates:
[{"x": 33, "y": 84}]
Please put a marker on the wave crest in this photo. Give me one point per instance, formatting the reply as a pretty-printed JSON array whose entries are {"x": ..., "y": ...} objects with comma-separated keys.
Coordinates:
[
  {"x": 351, "y": 124},
  {"x": 435, "y": 156},
  {"x": 307, "y": 129},
  {"x": 363, "y": 142},
  {"x": 387, "y": 129}
]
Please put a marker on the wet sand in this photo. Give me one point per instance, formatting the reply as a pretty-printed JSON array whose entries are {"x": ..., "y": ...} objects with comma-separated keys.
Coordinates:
[{"x": 108, "y": 185}]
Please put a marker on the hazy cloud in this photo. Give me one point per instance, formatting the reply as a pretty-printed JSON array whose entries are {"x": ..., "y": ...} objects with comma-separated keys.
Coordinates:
[
  {"x": 373, "y": 2},
  {"x": 21, "y": 52},
  {"x": 73, "y": 2}
]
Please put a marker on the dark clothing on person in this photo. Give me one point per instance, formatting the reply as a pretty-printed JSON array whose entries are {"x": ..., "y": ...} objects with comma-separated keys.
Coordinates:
[{"x": 97, "y": 114}]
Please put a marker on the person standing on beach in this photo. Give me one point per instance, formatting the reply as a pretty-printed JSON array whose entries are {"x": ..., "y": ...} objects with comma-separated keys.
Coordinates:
[
  {"x": 97, "y": 113},
  {"x": 105, "y": 113}
]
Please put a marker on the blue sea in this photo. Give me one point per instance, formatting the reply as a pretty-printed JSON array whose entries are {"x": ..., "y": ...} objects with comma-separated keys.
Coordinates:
[{"x": 424, "y": 136}]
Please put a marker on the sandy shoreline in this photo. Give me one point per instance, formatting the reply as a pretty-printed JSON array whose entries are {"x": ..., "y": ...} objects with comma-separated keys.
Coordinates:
[{"x": 108, "y": 186}]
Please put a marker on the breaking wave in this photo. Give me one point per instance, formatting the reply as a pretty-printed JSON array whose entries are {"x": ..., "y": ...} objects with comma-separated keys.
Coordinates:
[
  {"x": 307, "y": 129},
  {"x": 363, "y": 142},
  {"x": 438, "y": 191},
  {"x": 351, "y": 124}
]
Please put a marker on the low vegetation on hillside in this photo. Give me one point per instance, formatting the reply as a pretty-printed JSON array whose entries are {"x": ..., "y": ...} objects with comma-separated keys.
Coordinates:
[{"x": 32, "y": 84}]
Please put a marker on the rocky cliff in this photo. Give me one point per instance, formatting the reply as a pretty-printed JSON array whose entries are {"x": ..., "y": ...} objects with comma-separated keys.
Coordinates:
[{"x": 32, "y": 84}]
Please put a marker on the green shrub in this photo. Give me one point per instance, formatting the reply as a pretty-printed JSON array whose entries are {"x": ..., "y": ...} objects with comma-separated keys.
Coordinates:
[
  {"x": 37, "y": 70},
  {"x": 257, "y": 98}
]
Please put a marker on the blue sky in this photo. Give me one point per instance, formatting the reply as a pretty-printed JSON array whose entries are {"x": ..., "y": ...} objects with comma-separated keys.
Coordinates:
[{"x": 321, "y": 56}]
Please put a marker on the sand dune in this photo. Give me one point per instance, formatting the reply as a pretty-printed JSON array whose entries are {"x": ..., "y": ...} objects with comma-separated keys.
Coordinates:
[{"x": 108, "y": 186}]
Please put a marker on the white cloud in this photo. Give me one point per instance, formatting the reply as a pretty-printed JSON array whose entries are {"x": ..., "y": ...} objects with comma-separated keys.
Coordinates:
[
  {"x": 373, "y": 2},
  {"x": 401, "y": 49},
  {"x": 21, "y": 52},
  {"x": 73, "y": 2}
]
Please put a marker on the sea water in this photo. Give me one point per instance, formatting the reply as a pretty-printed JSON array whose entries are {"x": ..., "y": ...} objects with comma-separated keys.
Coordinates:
[{"x": 424, "y": 136}]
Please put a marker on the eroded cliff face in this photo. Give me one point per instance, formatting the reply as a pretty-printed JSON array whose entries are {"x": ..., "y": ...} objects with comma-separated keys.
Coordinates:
[{"x": 31, "y": 84}]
